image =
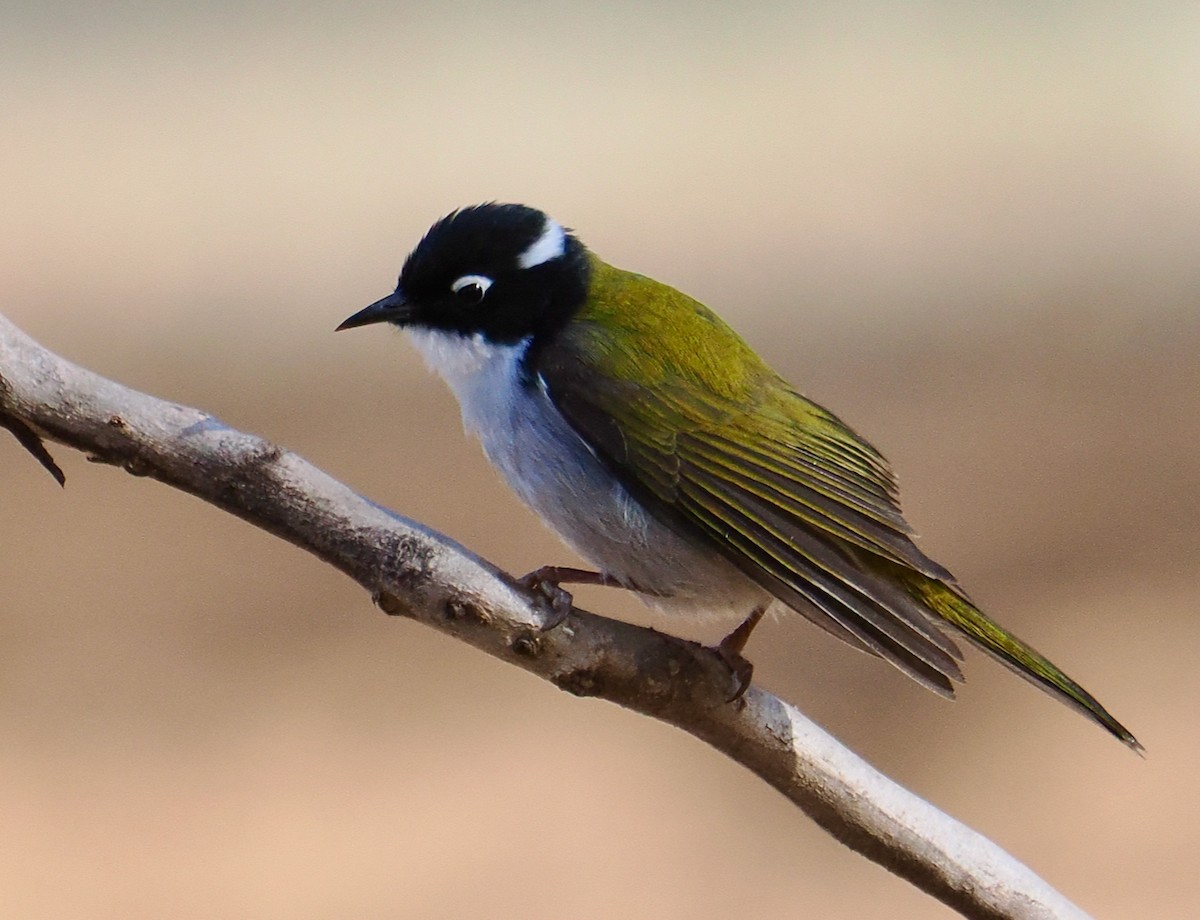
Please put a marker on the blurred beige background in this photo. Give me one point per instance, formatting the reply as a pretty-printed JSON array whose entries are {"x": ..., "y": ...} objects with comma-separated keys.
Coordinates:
[{"x": 970, "y": 229}]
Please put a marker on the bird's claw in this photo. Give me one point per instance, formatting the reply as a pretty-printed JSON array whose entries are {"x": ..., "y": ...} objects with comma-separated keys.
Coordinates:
[
  {"x": 730, "y": 650},
  {"x": 559, "y": 600},
  {"x": 741, "y": 668}
]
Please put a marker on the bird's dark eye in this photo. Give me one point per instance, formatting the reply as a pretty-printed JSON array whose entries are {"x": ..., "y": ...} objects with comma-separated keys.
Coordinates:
[{"x": 471, "y": 288}]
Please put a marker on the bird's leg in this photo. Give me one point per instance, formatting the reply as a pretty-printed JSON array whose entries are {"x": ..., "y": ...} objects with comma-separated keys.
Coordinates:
[
  {"x": 730, "y": 649},
  {"x": 548, "y": 580},
  {"x": 564, "y": 574}
]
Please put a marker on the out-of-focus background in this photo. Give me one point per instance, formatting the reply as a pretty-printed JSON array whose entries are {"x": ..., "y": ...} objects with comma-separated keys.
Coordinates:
[{"x": 971, "y": 229}]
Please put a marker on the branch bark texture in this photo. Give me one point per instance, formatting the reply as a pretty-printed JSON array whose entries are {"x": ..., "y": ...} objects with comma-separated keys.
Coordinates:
[{"x": 413, "y": 571}]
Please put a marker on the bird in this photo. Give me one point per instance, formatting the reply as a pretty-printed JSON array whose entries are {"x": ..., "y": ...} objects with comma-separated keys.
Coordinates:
[{"x": 663, "y": 450}]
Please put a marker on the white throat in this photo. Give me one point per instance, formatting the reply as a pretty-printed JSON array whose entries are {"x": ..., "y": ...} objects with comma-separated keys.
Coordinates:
[{"x": 485, "y": 377}]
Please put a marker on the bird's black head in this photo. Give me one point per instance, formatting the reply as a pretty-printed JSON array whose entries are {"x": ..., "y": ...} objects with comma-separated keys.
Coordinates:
[{"x": 504, "y": 271}]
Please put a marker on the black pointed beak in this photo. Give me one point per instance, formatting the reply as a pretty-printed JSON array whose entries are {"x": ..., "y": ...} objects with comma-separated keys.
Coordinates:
[{"x": 393, "y": 308}]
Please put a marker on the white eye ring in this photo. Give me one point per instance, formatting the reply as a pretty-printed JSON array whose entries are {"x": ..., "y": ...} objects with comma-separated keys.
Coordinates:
[{"x": 480, "y": 281}]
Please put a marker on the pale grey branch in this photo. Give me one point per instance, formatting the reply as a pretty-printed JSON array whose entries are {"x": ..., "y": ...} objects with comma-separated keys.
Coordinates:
[{"x": 418, "y": 573}]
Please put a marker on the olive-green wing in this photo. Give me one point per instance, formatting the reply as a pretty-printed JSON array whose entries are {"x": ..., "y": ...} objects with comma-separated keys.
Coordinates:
[
  {"x": 787, "y": 493},
  {"x": 785, "y": 490}
]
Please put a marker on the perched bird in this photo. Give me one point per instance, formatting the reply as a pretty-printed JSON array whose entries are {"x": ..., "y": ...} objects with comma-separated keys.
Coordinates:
[{"x": 663, "y": 450}]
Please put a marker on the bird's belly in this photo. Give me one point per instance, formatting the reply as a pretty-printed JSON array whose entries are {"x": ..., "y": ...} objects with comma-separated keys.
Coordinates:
[{"x": 554, "y": 472}]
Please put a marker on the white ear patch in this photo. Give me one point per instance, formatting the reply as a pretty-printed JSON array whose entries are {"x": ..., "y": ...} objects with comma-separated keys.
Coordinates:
[{"x": 550, "y": 245}]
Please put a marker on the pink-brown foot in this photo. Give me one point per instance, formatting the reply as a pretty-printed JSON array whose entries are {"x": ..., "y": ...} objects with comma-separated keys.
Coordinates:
[
  {"x": 548, "y": 581},
  {"x": 731, "y": 647}
]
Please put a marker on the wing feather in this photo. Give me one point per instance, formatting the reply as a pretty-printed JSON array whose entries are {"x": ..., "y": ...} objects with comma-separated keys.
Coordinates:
[
  {"x": 717, "y": 444},
  {"x": 792, "y": 512},
  {"x": 859, "y": 597},
  {"x": 810, "y": 502},
  {"x": 808, "y": 590},
  {"x": 867, "y": 496}
]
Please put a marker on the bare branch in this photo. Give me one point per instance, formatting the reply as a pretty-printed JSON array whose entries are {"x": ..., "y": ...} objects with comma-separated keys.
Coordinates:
[{"x": 418, "y": 573}]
